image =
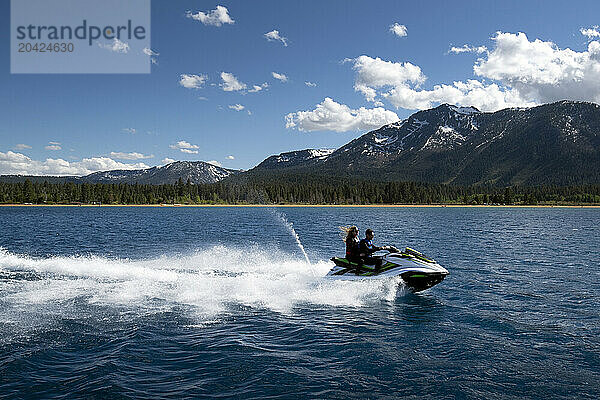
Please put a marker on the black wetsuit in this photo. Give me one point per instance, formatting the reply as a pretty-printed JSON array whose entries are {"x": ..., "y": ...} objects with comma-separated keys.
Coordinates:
[
  {"x": 353, "y": 253},
  {"x": 353, "y": 250},
  {"x": 366, "y": 248}
]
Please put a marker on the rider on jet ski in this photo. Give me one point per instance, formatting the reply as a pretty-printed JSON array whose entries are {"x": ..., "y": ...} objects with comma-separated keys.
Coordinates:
[{"x": 366, "y": 248}]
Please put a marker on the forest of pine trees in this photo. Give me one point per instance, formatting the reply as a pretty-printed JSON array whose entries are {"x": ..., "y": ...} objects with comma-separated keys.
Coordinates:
[{"x": 291, "y": 191}]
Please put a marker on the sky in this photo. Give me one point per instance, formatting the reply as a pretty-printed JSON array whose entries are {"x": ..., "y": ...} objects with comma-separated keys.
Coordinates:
[{"x": 233, "y": 82}]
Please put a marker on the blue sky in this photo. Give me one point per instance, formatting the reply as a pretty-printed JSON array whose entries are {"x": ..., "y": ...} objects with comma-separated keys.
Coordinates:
[{"x": 362, "y": 75}]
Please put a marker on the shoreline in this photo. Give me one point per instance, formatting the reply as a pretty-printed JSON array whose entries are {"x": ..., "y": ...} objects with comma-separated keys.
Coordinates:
[{"x": 306, "y": 205}]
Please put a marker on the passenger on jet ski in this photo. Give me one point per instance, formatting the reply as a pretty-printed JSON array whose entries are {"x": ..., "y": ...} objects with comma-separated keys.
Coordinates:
[{"x": 352, "y": 244}]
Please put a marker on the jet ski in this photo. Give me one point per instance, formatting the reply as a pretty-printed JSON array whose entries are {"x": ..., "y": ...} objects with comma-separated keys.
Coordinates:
[{"x": 416, "y": 270}]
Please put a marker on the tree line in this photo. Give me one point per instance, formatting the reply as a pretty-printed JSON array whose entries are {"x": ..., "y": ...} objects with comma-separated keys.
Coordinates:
[{"x": 304, "y": 190}]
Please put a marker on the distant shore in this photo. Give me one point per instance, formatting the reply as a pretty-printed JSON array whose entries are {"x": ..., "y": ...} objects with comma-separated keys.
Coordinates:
[{"x": 312, "y": 205}]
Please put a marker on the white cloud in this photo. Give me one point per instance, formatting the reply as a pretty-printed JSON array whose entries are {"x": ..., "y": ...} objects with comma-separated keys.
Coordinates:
[
  {"x": 540, "y": 71},
  {"x": 591, "y": 33},
  {"x": 468, "y": 49},
  {"x": 216, "y": 17},
  {"x": 215, "y": 163},
  {"x": 129, "y": 130},
  {"x": 231, "y": 83},
  {"x": 375, "y": 73},
  {"x": 185, "y": 147},
  {"x": 398, "y": 30},
  {"x": 106, "y": 164},
  {"x": 191, "y": 81},
  {"x": 22, "y": 146},
  {"x": 116, "y": 46},
  {"x": 129, "y": 156},
  {"x": 332, "y": 116},
  {"x": 280, "y": 77},
  {"x": 275, "y": 36},
  {"x": 516, "y": 72},
  {"x": 258, "y": 88},
  {"x": 13, "y": 157},
  {"x": 152, "y": 54},
  {"x": 167, "y": 160},
  {"x": 310, "y": 84},
  {"x": 53, "y": 146},
  {"x": 470, "y": 93},
  {"x": 230, "y": 157},
  {"x": 17, "y": 163},
  {"x": 237, "y": 107},
  {"x": 147, "y": 51}
]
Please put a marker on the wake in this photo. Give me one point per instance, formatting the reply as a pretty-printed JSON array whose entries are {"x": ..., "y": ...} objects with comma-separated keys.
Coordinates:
[{"x": 207, "y": 283}]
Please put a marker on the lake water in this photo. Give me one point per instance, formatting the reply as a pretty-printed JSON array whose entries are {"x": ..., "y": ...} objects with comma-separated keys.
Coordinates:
[{"x": 220, "y": 303}]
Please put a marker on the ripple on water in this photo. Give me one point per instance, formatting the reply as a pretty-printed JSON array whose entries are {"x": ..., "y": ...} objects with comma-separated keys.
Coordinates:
[{"x": 145, "y": 308}]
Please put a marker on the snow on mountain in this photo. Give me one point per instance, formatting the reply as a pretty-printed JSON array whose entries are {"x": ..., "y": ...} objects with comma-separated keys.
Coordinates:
[
  {"x": 445, "y": 137},
  {"x": 295, "y": 158},
  {"x": 570, "y": 132},
  {"x": 194, "y": 171},
  {"x": 442, "y": 128},
  {"x": 320, "y": 153},
  {"x": 464, "y": 110}
]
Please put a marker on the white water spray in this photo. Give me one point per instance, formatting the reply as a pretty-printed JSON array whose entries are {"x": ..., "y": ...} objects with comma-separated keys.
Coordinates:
[
  {"x": 290, "y": 228},
  {"x": 37, "y": 293}
]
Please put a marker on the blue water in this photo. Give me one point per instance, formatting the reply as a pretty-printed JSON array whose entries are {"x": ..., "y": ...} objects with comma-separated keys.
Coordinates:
[{"x": 220, "y": 303}]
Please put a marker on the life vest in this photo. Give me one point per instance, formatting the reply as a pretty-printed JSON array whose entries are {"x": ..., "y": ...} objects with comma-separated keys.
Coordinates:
[{"x": 352, "y": 249}]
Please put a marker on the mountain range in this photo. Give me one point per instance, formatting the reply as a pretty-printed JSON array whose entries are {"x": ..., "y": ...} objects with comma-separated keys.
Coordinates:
[
  {"x": 556, "y": 143},
  {"x": 195, "y": 171}
]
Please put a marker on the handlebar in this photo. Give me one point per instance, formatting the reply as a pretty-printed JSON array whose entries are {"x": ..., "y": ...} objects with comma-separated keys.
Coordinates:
[{"x": 391, "y": 249}]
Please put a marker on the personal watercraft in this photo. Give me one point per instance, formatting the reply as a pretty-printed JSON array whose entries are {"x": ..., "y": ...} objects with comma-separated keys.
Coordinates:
[{"x": 416, "y": 270}]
